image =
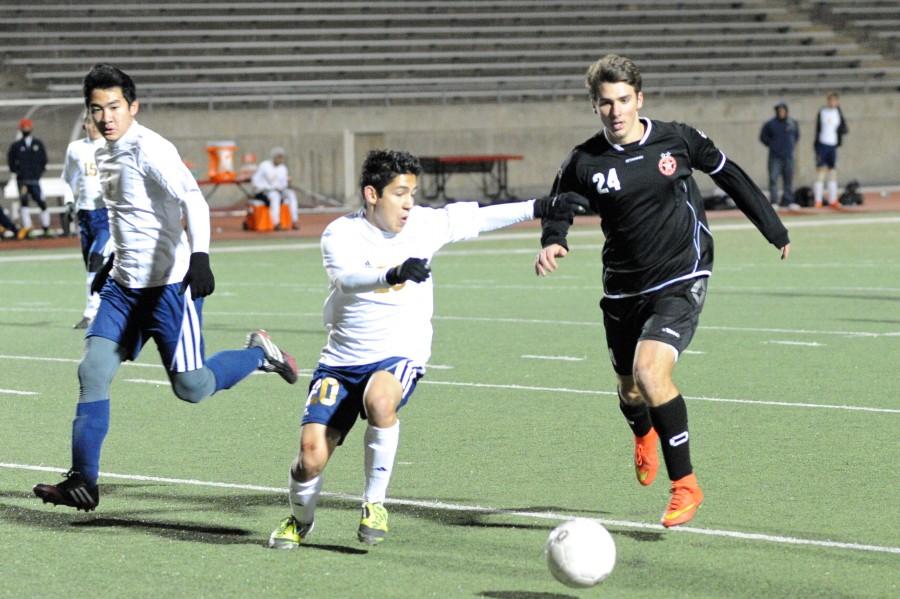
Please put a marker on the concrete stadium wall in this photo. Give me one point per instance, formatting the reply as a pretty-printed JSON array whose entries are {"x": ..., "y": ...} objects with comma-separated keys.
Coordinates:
[{"x": 321, "y": 142}]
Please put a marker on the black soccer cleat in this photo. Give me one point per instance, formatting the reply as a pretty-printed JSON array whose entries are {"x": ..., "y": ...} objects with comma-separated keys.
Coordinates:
[
  {"x": 74, "y": 492},
  {"x": 84, "y": 323}
]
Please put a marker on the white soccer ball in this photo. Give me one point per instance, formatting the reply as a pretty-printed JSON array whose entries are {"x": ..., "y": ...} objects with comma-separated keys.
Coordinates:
[{"x": 580, "y": 553}]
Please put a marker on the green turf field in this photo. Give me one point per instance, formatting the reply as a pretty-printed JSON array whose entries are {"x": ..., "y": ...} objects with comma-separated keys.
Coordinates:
[{"x": 792, "y": 385}]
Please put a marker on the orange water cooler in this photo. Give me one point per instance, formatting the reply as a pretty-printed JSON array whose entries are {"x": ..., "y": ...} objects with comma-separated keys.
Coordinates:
[{"x": 221, "y": 161}]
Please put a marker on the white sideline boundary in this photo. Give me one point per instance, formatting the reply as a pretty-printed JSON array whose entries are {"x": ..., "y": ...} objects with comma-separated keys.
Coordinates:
[
  {"x": 458, "y": 507},
  {"x": 225, "y": 247},
  {"x": 513, "y": 387},
  {"x": 506, "y": 320}
]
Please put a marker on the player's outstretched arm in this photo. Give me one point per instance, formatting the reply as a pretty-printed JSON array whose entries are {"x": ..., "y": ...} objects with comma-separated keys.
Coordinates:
[
  {"x": 752, "y": 202},
  {"x": 562, "y": 206},
  {"x": 546, "y": 260}
]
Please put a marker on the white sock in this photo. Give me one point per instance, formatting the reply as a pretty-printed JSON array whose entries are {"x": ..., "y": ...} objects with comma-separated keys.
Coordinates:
[
  {"x": 303, "y": 498},
  {"x": 93, "y": 299},
  {"x": 832, "y": 192},
  {"x": 381, "y": 449},
  {"x": 818, "y": 191},
  {"x": 45, "y": 219},
  {"x": 274, "y": 207},
  {"x": 26, "y": 217}
]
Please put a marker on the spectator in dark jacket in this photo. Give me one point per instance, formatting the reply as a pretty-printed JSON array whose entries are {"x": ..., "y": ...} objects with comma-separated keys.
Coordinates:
[
  {"x": 27, "y": 160},
  {"x": 780, "y": 134}
]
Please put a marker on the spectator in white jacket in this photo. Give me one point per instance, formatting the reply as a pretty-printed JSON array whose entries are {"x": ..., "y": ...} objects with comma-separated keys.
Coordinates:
[{"x": 271, "y": 183}]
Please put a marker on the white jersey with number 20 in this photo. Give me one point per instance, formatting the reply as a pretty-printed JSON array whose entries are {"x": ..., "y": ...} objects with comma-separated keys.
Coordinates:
[{"x": 367, "y": 319}]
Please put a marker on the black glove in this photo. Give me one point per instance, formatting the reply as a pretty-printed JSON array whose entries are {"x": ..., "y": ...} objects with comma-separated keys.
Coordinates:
[
  {"x": 413, "y": 269},
  {"x": 199, "y": 276},
  {"x": 70, "y": 211},
  {"x": 102, "y": 274},
  {"x": 561, "y": 207}
]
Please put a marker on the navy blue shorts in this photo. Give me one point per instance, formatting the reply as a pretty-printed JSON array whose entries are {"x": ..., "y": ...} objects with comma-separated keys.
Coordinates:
[
  {"x": 94, "y": 231},
  {"x": 132, "y": 316},
  {"x": 825, "y": 155},
  {"x": 336, "y": 392}
]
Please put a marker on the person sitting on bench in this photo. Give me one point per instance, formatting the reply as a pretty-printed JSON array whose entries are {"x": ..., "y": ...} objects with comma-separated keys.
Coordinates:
[{"x": 271, "y": 181}]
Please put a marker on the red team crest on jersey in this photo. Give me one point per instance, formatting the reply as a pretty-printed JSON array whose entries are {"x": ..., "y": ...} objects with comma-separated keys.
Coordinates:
[{"x": 667, "y": 164}]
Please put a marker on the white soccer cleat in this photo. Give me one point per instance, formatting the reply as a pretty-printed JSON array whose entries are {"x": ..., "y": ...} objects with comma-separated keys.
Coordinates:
[{"x": 276, "y": 360}]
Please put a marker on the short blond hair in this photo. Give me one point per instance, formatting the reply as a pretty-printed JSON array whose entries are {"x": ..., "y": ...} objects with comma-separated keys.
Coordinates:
[{"x": 612, "y": 68}]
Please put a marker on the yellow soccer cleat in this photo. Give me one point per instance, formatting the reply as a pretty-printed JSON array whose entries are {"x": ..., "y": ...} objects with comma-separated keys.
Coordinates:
[
  {"x": 289, "y": 534},
  {"x": 373, "y": 525}
]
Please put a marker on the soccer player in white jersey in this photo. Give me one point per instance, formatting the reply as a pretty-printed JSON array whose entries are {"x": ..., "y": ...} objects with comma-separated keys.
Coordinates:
[
  {"x": 152, "y": 286},
  {"x": 80, "y": 173},
  {"x": 378, "y": 318},
  {"x": 831, "y": 127},
  {"x": 271, "y": 181}
]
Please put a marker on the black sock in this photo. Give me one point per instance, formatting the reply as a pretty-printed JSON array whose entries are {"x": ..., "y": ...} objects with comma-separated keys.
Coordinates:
[
  {"x": 671, "y": 422},
  {"x": 637, "y": 416}
]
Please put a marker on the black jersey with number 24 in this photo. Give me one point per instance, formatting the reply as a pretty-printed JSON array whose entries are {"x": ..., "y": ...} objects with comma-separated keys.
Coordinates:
[{"x": 650, "y": 207}]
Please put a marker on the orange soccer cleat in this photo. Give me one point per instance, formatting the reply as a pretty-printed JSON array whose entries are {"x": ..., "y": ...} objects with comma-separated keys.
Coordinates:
[
  {"x": 684, "y": 503},
  {"x": 646, "y": 460}
]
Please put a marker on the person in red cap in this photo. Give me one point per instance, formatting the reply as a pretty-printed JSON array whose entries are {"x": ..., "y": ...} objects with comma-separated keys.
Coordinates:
[{"x": 27, "y": 159}]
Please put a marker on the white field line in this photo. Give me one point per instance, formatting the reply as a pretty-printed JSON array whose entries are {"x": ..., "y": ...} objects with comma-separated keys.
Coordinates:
[
  {"x": 547, "y": 285},
  {"x": 508, "y": 387},
  {"x": 15, "y": 392},
  {"x": 559, "y": 358},
  {"x": 784, "y": 404},
  {"x": 591, "y": 232},
  {"x": 599, "y": 323},
  {"x": 802, "y": 343},
  {"x": 458, "y": 507},
  {"x": 535, "y": 321},
  {"x": 205, "y": 312},
  {"x": 148, "y": 381}
]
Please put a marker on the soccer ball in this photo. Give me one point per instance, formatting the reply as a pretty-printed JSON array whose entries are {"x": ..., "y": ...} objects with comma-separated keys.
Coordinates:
[{"x": 580, "y": 553}]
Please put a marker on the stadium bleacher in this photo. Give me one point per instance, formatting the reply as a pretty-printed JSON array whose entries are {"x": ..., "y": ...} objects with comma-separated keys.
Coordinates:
[
  {"x": 876, "y": 22},
  {"x": 348, "y": 51},
  {"x": 208, "y": 66}
]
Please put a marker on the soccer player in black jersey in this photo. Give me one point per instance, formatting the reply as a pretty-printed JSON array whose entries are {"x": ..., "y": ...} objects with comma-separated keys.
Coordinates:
[{"x": 636, "y": 174}]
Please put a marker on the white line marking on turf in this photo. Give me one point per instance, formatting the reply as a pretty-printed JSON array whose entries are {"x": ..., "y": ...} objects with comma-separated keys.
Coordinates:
[
  {"x": 803, "y": 343},
  {"x": 693, "y": 351},
  {"x": 15, "y": 392},
  {"x": 458, "y": 507},
  {"x": 561, "y": 358},
  {"x": 592, "y": 323},
  {"x": 147, "y": 381},
  {"x": 439, "y": 366},
  {"x": 557, "y": 390},
  {"x": 784, "y": 404},
  {"x": 69, "y": 360},
  {"x": 589, "y": 232},
  {"x": 577, "y": 323}
]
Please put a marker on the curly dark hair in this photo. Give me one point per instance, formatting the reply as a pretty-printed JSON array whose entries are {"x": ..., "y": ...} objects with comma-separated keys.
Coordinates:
[{"x": 381, "y": 166}]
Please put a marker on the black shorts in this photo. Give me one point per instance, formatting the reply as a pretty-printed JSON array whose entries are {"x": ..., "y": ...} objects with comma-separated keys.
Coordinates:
[{"x": 670, "y": 315}]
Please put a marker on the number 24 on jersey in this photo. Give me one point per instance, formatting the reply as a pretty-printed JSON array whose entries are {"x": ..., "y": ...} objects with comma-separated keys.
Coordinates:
[{"x": 606, "y": 182}]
